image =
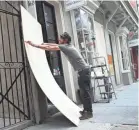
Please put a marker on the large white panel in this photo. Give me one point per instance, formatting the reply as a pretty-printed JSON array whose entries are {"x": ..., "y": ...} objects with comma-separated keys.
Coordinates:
[{"x": 39, "y": 65}]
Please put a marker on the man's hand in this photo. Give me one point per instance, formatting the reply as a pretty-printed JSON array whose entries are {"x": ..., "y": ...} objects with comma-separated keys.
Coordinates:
[{"x": 31, "y": 43}]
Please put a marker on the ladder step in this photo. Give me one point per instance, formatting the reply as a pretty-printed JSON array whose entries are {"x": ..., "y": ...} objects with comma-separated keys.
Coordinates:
[
  {"x": 102, "y": 101},
  {"x": 109, "y": 84},
  {"x": 101, "y": 77},
  {"x": 107, "y": 92},
  {"x": 98, "y": 66}
]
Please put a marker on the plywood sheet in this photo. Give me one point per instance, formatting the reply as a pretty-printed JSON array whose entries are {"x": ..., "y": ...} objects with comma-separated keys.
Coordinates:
[{"x": 39, "y": 65}]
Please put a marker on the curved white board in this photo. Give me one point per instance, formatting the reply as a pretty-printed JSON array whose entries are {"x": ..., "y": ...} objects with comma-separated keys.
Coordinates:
[{"x": 39, "y": 65}]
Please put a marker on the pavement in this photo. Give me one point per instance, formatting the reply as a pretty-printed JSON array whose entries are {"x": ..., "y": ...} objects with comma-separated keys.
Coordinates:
[{"x": 119, "y": 114}]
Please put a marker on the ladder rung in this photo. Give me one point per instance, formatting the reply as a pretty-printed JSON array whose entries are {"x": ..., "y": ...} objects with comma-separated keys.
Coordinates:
[
  {"x": 103, "y": 101},
  {"x": 101, "y": 77},
  {"x": 98, "y": 66},
  {"x": 109, "y": 84},
  {"x": 107, "y": 93}
]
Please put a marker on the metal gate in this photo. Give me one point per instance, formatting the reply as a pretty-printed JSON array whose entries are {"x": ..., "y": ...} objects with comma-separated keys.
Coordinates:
[{"x": 14, "y": 82}]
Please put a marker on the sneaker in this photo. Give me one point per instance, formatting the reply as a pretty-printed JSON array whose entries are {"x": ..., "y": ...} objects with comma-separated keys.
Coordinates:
[
  {"x": 86, "y": 115},
  {"x": 81, "y": 112}
]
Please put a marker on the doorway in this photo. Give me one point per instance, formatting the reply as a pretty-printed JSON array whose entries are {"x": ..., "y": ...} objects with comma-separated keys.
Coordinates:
[
  {"x": 111, "y": 56},
  {"x": 46, "y": 17},
  {"x": 134, "y": 59}
]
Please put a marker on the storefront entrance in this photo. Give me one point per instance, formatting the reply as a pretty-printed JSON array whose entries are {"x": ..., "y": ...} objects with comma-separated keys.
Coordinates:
[
  {"x": 46, "y": 17},
  {"x": 134, "y": 58},
  {"x": 111, "y": 56}
]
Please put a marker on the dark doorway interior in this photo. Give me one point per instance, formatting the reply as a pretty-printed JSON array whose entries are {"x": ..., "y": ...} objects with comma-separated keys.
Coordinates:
[{"x": 46, "y": 17}]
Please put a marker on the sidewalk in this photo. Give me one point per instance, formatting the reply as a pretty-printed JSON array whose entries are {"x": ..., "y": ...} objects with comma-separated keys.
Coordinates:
[{"x": 120, "y": 114}]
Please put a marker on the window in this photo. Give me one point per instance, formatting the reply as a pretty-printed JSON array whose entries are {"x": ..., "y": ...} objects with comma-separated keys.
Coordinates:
[
  {"x": 124, "y": 53},
  {"x": 85, "y": 34}
]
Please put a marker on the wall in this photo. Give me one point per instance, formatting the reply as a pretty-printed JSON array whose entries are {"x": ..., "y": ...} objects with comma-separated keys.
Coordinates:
[{"x": 99, "y": 17}]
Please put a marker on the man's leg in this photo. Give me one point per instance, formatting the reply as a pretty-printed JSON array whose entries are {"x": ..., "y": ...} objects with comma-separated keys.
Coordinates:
[
  {"x": 87, "y": 98},
  {"x": 85, "y": 86}
]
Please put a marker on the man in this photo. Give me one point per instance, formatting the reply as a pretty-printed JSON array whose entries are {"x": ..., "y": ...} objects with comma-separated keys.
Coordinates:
[{"x": 78, "y": 63}]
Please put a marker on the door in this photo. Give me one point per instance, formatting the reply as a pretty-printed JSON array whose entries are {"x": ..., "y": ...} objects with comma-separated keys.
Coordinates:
[
  {"x": 110, "y": 57},
  {"x": 14, "y": 69},
  {"x": 46, "y": 17}
]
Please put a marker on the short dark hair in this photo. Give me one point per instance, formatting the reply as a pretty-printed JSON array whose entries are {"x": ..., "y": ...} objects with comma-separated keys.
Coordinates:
[{"x": 65, "y": 36}]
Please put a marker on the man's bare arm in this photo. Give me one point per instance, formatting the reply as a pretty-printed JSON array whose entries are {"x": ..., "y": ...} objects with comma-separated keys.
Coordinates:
[
  {"x": 47, "y": 47},
  {"x": 51, "y": 44}
]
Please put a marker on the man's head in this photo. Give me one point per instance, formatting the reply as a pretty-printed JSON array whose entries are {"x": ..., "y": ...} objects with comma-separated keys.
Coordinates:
[{"x": 65, "y": 38}]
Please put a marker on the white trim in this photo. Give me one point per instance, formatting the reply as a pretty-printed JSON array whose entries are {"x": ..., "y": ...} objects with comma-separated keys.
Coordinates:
[
  {"x": 126, "y": 71},
  {"x": 117, "y": 75},
  {"x": 113, "y": 13},
  {"x": 122, "y": 31},
  {"x": 74, "y": 28},
  {"x": 120, "y": 56},
  {"x": 74, "y": 5},
  {"x": 135, "y": 11},
  {"x": 113, "y": 42},
  {"x": 111, "y": 32},
  {"x": 97, "y": 6},
  {"x": 123, "y": 23},
  {"x": 88, "y": 11},
  {"x": 128, "y": 11},
  {"x": 91, "y": 6}
]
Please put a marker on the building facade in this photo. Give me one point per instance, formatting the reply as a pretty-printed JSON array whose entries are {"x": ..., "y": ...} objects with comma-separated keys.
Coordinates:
[{"x": 97, "y": 28}]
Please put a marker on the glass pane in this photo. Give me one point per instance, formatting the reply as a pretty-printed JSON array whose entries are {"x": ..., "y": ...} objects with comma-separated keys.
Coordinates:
[
  {"x": 55, "y": 63},
  {"x": 90, "y": 24},
  {"x": 89, "y": 42},
  {"x": 82, "y": 45},
  {"x": 89, "y": 47},
  {"x": 80, "y": 40},
  {"x": 50, "y": 31},
  {"x": 78, "y": 19},
  {"x": 85, "y": 34},
  {"x": 84, "y": 18},
  {"x": 124, "y": 53},
  {"x": 51, "y": 41},
  {"x": 48, "y": 14}
]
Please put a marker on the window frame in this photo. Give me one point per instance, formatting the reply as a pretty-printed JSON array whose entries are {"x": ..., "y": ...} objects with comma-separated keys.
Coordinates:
[
  {"x": 75, "y": 30},
  {"x": 120, "y": 56}
]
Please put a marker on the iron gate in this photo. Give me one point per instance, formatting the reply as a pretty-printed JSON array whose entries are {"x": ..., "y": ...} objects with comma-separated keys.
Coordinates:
[{"x": 14, "y": 85}]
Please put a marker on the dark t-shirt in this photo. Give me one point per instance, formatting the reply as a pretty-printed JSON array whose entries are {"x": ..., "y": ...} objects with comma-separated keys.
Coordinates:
[{"x": 74, "y": 57}]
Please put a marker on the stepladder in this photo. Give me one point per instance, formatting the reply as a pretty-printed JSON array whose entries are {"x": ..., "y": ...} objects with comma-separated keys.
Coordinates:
[{"x": 102, "y": 81}]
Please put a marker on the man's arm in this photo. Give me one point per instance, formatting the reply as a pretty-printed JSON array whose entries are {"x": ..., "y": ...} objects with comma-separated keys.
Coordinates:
[
  {"x": 47, "y": 46},
  {"x": 51, "y": 44}
]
